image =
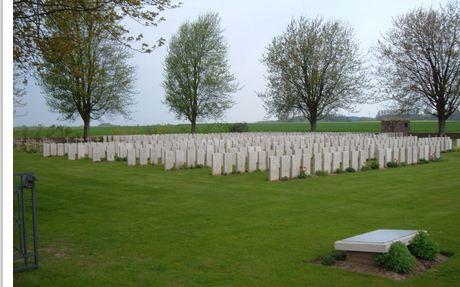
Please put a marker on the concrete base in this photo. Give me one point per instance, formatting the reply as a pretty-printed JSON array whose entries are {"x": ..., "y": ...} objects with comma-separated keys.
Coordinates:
[
  {"x": 361, "y": 257},
  {"x": 375, "y": 241}
]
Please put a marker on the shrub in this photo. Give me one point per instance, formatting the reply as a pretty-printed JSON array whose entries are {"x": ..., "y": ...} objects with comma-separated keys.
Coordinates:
[
  {"x": 350, "y": 169},
  {"x": 423, "y": 161},
  {"x": 374, "y": 164},
  {"x": 392, "y": 164},
  {"x": 435, "y": 159},
  {"x": 239, "y": 128},
  {"x": 302, "y": 174},
  {"x": 120, "y": 158},
  {"x": 284, "y": 178},
  {"x": 339, "y": 255},
  {"x": 321, "y": 173},
  {"x": 365, "y": 168},
  {"x": 398, "y": 258},
  {"x": 328, "y": 260},
  {"x": 422, "y": 246}
]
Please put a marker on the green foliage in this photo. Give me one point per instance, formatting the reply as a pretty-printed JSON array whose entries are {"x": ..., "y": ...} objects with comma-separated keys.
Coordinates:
[
  {"x": 364, "y": 126},
  {"x": 295, "y": 87},
  {"x": 321, "y": 173},
  {"x": 199, "y": 87},
  {"x": 302, "y": 174},
  {"x": 372, "y": 164},
  {"x": 350, "y": 169},
  {"x": 339, "y": 255},
  {"x": 423, "y": 161},
  {"x": 239, "y": 128},
  {"x": 422, "y": 246},
  {"x": 72, "y": 88},
  {"x": 366, "y": 168},
  {"x": 328, "y": 260},
  {"x": 392, "y": 164},
  {"x": 398, "y": 258},
  {"x": 284, "y": 178}
]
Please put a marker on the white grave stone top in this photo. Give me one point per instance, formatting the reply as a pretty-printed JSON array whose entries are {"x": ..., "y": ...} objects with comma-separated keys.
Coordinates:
[{"x": 378, "y": 240}]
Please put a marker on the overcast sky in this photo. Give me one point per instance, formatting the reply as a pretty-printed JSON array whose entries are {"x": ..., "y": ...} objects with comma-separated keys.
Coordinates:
[{"x": 248, "y": 27}]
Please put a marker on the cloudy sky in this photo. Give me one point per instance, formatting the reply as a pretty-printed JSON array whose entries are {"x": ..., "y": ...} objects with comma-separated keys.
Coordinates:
[{"x": 248, "y": 27}]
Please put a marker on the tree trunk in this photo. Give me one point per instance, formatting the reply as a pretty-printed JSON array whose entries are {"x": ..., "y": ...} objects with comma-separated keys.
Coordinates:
[
  {"x": 86, "y": 129},
  {"x": 193, "y": 126},
  {"x": 313, "y": 125},
  {"x": 441, "y": 125}
]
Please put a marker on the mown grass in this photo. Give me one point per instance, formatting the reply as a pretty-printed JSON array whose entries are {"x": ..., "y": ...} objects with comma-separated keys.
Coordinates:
[
  {"x": 361, "y": 126},
  {"x": 107, "y": 224}
]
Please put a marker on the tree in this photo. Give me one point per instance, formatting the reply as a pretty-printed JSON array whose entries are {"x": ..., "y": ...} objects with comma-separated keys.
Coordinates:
[
  {"x": 19, "y": 82},
  {"x": 30, "y": 16},
  {"x": 314, "y": 69},
  {"x": 198, "y": 82},
  {"x": 83, "y": 71},
  {"x": 419, "y": 62}
]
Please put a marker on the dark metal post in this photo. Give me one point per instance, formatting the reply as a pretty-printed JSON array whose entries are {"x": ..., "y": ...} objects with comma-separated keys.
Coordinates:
[{"x": 21, "y": 251}]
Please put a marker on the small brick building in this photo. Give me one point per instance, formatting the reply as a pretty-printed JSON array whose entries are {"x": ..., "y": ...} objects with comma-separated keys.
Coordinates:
[{"x": 395, "y": 125}]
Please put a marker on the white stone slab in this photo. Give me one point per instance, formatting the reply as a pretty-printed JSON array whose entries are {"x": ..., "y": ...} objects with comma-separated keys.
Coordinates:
[{"x": 378, "y": 240}]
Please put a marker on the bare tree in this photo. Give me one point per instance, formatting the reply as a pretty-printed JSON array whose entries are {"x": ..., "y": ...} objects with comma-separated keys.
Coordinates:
[
  {"x": 313, "y": 69},
  {"x": 419, "y": 62},
  {"x": 198, "y": 82},
  {"x": 83, "y": 71}
]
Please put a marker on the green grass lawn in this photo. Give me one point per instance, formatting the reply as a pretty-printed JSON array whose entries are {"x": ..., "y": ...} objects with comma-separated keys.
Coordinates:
[
  {"x": 361, "y": 126},
  {"x": 107, "y": 224}
]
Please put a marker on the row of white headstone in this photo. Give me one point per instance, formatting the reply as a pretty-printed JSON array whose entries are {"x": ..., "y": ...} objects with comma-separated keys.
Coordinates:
[
  {"x": 247, "y": 152},
  {"x": 283, "y": 167}
]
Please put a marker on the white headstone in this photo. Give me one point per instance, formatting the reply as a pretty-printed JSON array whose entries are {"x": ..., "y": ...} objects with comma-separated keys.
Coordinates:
[
  {"x": 191, "y": 157},
  {"x": 131, "y": 157},
  {"x": 228, "y": 163},
  {"x": 217, "y": 160},
  {"x": 326, "y": 162},
  {"x": 274, "y": 168},
  {"x": 262, "y": 158},
  {"x": 200, "y": 157},
  {"x": 144, "y": 156},
  {"x": 306, "y": 163},
  {"x": 295, "y": 165},
  {"x": 241, "y": 162},
  {"x": 46, "y": 149},
  {"x": 336, "y": 160},
  {"x": 354, "y": 155},
  {"x": 169, "y": 160},
  {"x": 180, "y": 159},
  {"x": 252, "y": 161},
  {"x": 285, "y": 166}
]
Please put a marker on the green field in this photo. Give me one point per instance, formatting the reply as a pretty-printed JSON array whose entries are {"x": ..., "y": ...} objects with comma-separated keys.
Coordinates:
[
  {"x": 358, "y": 126},
  {"x": 107, "y": 224}
]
